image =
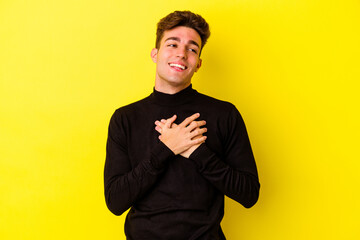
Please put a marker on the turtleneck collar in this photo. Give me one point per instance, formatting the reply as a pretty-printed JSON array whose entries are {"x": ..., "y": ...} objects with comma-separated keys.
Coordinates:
[{"x": 179, "y": 98}]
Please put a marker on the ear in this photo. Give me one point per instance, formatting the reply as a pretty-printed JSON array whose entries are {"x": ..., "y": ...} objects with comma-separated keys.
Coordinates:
[
  {"x": 198, "y": 65},
  {"x": 153, "y": 54}
]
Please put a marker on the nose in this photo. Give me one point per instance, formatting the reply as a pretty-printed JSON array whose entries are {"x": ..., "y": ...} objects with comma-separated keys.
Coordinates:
[{"x": 181, "y": 52}]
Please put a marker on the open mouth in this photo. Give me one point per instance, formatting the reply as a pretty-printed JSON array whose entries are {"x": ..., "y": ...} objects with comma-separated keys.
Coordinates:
[{"x": 177, "y": 66}]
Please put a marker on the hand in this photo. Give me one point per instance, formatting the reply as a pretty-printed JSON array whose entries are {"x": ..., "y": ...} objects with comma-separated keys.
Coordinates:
[
  {"x": 184, "y": 138},
  {"x": 186, "y": 153}
]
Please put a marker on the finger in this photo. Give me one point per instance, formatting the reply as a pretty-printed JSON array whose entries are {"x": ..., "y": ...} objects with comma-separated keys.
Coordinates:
[
  {"x": 196, "y": 124},
  {"x": 170, "y": 121},
  {"x": 197, "y": 132},
  {"x": 157, "y": 128},
  {"x": 199, "y": 140},
  {"x": 159, "y": 124},
  {"x": 188, "y": 120},
  {"x": 164, "y": 121}
]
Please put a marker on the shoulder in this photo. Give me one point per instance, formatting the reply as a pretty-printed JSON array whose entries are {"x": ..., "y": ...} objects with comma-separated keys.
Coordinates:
[
  {"x": 225, "y": 112},
  {"x": 216, "y": 104},
  {"x": 122, "y": 116},
  {"x": 131, "y": 108}
]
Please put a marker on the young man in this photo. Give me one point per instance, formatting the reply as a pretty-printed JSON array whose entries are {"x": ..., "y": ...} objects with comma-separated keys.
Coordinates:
[{"x": 172, "y": 156}]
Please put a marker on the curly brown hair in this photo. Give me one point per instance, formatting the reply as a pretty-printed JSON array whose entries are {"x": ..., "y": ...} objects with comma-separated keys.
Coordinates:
[{"x": 186, "y": 19}]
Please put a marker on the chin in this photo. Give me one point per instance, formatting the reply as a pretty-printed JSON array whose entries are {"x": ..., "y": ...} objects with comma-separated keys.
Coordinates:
[{"x": 179, "y": 84}]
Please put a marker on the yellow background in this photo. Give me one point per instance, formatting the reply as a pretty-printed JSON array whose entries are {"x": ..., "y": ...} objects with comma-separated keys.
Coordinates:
[{"x": 290, "y": 66}]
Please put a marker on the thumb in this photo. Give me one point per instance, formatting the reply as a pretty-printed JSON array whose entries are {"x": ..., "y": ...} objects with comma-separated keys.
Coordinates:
[{"x": 170, "y": 121}]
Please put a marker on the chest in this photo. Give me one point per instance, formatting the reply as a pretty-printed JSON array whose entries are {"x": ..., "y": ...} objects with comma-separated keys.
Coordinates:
[{"x": 142, "y": 136}]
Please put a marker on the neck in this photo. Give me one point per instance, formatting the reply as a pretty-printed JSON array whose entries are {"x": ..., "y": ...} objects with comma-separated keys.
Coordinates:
[
  {"x": 170, "y": 89},
  {"x": 179, "y": 98}
]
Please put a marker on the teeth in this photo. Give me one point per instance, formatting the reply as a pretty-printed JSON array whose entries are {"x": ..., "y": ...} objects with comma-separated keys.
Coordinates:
[{"x": 177, "y": 65}]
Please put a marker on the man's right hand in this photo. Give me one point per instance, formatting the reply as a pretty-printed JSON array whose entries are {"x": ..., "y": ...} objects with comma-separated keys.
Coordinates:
[{"x": 183, "y": 138}]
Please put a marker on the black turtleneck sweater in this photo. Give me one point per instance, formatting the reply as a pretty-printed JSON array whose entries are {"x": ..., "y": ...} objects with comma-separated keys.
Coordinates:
[{"x": 172, "y": 197}]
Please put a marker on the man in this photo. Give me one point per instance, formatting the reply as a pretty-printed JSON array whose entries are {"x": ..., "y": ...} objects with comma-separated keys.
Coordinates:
[{"x": 172, "y": 156}]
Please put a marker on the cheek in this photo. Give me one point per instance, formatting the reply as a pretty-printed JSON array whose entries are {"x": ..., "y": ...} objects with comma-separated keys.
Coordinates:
[
  {"x": 163, "y": 57},
  {"x": 196, "y": 64}
]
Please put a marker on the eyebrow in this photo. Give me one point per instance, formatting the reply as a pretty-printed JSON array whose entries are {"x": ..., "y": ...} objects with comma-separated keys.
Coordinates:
[{"x": 178, "y": 40}]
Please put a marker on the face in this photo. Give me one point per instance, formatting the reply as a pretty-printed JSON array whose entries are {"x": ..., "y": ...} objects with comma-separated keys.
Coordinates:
[{"x": 177, "y": 59}]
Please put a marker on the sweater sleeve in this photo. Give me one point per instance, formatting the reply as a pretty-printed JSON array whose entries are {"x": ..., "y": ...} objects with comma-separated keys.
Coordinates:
[
  {"x": 123, "y": 183},
  {"x": 234, "y": 173}
]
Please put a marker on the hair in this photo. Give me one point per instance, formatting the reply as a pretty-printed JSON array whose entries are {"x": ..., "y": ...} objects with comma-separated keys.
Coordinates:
[{"x": 186, "y": 19}]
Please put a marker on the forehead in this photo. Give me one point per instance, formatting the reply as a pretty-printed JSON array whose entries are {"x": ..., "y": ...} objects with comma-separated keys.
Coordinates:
[{"x": 184, "y": 34}]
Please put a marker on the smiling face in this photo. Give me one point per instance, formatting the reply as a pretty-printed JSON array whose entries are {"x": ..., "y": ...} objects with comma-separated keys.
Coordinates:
[{"x": 177, "y": 59}]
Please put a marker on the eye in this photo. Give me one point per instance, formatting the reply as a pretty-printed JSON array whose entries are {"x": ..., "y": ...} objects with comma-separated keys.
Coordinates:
[
  {"x": 171, "y": 45},
  {"x": 193, "y": 50}
]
